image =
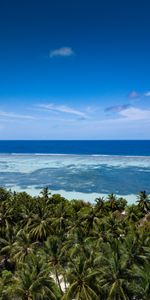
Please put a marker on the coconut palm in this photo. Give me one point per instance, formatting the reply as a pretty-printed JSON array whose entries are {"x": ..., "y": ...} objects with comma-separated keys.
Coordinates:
[
  {"x": 143, "y": 202},
  {"x": 60, "y": 218},
  {"x": 90, "y": 219},
  {"x": 114, "y": 227},
  {"x": 39, "y": 225},
  {"x": 100, "y": 204},
  {"x": 113, "y": 273},
  {"x": 141, "y": 277},
  {"x": 23, "y": 246},
  {"x": 136, "y": 249},
  {"x": 76, "y": 242},
  {"x": 82, "y": 281},
  {"x": 52, "y": 251},
  {"x": 6, "y": 246},
  {"x": 133, "y": 215},
  {"x": 6, "y": 243},
  {"x": 112, "y": 201},
  {"x": 59, "y": 249},
  {"x": 5, "y": 282},
  {"x": 33, "y": 282},
  {"x": 6, "y": 218},
  {"x": 5, "y": 195}
]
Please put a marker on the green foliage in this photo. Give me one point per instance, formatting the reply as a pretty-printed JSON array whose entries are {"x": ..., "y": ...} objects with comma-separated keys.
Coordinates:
[{"x": 52, "y": 248}]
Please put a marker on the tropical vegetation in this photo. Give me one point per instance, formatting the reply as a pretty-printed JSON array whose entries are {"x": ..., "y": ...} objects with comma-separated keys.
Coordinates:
[{"x": 52, "y": 248}]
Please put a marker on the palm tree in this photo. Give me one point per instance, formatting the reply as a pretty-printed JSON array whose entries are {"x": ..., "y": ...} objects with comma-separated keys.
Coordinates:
[
  {"x": 60, "y": 219},
  {"x": 141, "y": 277},
  {"x": 136, "y": 248},
  {"x": 100, "y": 204},
  {"x": 23, "y": 246},
  {"x": 52, "y": 250},
  {"x": 133, "y": 215},
  {"x": 113, "y": 226},
  {"x": 82, "y": 281},
  {"x": 45, "y": 194},
  {"x": 4, "y": 195},
  {"x": 143, "y": 202},
  {"x": 5, "y": 282},
  {"x": 6, "y": 243},
  {"x": 114, "y": 278},
  {"x": 39, "y": 225},
  {"x": 33, "y": 282},
  {"x": 90, "y": 220},
  {"x": 112, "y": 201},
  {"x": 76, "y": 242},
  {"x": 6, "y": 246},
  {"x": 92, "y": 249},
  {"x": 6, "y": 218}
]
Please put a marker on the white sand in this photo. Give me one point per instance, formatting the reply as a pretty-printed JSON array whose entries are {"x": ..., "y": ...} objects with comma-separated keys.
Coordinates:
[{"x": 88, "y": 197}]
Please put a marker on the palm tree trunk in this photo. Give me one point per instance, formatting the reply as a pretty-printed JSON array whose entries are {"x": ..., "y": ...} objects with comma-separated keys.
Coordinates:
[
  {"x": 64, "y": 279},
  {"x": 58, "y": 281}
]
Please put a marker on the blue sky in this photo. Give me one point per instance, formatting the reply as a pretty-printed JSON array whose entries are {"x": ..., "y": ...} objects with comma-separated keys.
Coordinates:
[{"x": 75, "y": 69}]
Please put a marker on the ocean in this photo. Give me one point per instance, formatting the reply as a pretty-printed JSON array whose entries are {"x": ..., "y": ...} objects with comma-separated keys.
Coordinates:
[
  {"x": 122, "y": 148},
  {"x": 76, "y": 169}
]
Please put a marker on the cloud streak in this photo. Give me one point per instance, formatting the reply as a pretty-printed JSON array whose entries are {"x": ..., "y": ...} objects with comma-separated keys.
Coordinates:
[
  {"x": 61, "y": 52},
  {"x": 134, "y": 95},
  {"x": 133, "y": 113},
  {"x": 129, "y": 113},
  {"x": 147, "y": 94},
  {"x": 117, "y": 108},
  {"x": 62, "y": 109},
  {"x": 11, "y": 115}
]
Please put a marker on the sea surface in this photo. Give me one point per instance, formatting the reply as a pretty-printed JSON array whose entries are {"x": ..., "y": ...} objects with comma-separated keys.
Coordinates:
[{"x": 76, "y": 169}]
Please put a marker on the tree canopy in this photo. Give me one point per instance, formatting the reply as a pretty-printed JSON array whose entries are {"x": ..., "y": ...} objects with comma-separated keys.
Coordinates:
[{"x": 52, "y": 248}]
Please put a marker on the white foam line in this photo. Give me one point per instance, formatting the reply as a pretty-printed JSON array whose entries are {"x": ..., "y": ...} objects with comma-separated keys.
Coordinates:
[{"x": 75, "y": 155}]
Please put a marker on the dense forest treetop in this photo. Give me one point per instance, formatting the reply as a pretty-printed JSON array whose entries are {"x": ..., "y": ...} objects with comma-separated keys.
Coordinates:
[{"x": 52, "y": 248}]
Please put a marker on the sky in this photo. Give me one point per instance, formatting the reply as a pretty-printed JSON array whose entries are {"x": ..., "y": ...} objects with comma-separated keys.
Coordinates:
[{"x": 77, "y": 69}]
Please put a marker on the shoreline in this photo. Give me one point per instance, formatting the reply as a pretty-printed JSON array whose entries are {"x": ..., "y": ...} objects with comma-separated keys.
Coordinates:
[
  {"x": 71, "y": 195},
  {"x": 72, "y": 155}
]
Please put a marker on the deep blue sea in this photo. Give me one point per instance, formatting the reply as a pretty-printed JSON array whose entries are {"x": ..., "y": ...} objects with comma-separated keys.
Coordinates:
[
  {"x": 131, "y": 148},
  {"x": 76, "y": 169}
]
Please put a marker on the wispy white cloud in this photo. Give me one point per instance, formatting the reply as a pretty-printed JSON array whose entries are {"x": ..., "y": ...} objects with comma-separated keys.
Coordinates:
[
  {"x": 147, "y": 94},
  {"x": 133, "y": 113},
  {"x": 65, "y": 122},
  {"x": 134, "y": 95},
  {"x": 128, "y": 112},
  {"x": 64, "y": 52},
  {"x": 62, "y": 109},
  {"x": 11, "y": 115}
]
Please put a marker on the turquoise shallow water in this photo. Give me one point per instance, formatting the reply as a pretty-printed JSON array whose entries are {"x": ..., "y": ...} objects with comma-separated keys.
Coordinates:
[{"x": 76, "y": 175}]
